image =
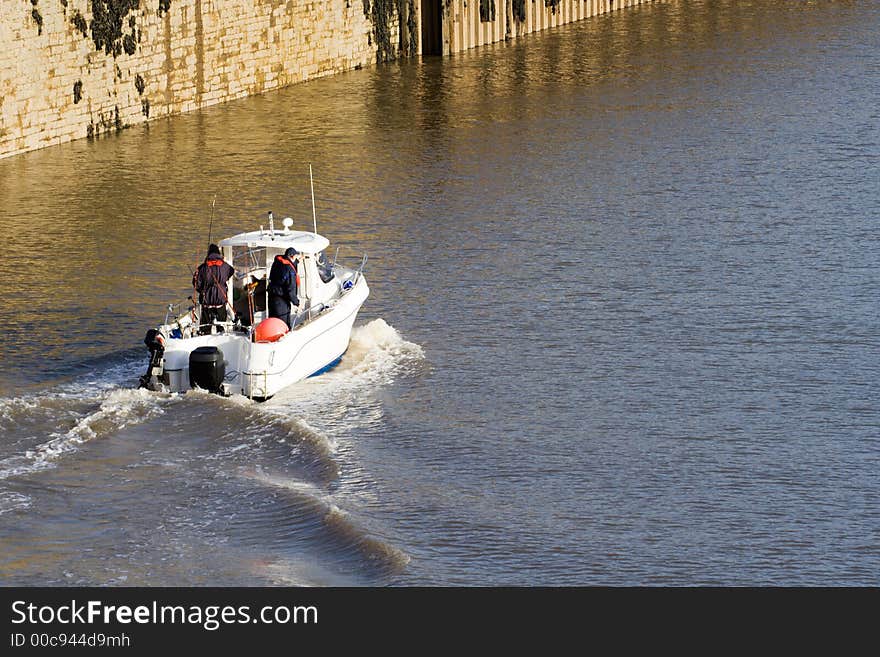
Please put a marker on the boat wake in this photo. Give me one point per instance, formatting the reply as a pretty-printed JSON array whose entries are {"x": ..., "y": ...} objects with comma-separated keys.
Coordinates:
[
  {"x": 377, "y": 353},
  {"x": 376, "y": 356},
  {"x": 12, "y": 501},
  {"x": 338, "y": 523},
  {"x": 116, "y": 409},
  {"x": 103, "y": 402},
  {"x": 248, "y": 427},
  {"x": 305, "y": 435}
]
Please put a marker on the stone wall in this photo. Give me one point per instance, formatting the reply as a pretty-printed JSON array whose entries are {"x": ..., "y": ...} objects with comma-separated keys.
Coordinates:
[
  {"x": 169, "y": 56},
  {"x": 79, "y": 68}
]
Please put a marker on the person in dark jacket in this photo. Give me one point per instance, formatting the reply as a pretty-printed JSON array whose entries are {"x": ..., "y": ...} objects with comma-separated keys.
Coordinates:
[
  {"x": 209, "y": 281},
  {"x": 283, "y": 282}
]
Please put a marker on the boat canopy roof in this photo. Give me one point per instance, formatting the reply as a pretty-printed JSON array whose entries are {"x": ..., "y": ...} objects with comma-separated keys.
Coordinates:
[{"x": 302, "y": 241}]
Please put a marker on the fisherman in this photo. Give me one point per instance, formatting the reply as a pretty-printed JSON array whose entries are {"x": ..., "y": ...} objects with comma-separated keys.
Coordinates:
[
  {"x": 209, "y": 281},
  {"x": 283, "y": 283}
]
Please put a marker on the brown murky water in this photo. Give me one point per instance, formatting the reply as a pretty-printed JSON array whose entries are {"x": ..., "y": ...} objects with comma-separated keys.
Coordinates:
[{"x": 623, "y": 323}]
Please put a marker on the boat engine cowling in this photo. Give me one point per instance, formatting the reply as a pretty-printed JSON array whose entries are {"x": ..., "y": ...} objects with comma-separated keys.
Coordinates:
[
  {"x": 155, "y": 342},
  {"x": 207, "y": 369}
]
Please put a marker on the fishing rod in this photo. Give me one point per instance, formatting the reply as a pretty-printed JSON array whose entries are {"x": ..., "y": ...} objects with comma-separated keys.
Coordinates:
[
  {"x": 210, "y": 231},
  {"x": 211, "y": 225},
  {"x": 314, "y": 217}
]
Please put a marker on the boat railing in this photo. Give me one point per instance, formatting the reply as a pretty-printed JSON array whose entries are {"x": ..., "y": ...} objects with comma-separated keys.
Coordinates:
[
  {"x": 173, "y": 310},
  {"x": 187, "y": 322},
  {"x": 357, "y": 271},
  {"x": 307, "y": 315},
  {"x": 360, "y": 270}
]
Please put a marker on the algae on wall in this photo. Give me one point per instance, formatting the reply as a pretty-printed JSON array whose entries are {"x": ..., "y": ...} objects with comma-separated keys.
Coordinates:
[
  {"x": 108, "y": 17},
  {"x": 382, "y": 15}
]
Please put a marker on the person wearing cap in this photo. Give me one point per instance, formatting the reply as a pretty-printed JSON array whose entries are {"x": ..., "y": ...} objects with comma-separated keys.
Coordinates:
[
  {"x": 209, "y": 280},
  {"x": 283, "y": 283}
]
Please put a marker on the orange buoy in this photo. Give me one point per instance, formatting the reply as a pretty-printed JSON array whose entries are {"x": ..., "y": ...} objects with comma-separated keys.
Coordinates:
[{"x": 270, "y": 330}]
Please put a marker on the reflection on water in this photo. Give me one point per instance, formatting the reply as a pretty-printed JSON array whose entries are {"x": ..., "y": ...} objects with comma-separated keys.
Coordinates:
[{"x": 630, "y": 264}]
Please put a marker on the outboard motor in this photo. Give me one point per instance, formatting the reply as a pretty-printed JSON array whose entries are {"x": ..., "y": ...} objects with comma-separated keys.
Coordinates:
[
  {"x": 155, "y": 342},
  {"x": 207, "y": 369}
]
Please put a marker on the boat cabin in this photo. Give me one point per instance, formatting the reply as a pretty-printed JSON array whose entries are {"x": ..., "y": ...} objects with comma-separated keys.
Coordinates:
[{"x": 252, "y": 254}]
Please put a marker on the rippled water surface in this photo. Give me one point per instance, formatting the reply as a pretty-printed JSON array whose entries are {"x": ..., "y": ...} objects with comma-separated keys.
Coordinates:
[{"x": 623, "y": 323}]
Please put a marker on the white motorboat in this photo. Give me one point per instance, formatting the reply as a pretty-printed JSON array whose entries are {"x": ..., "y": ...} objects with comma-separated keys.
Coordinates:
[{"x": 251, "y": 353}]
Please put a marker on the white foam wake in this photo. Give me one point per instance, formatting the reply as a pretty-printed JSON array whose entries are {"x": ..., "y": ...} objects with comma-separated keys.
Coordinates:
[
  {"x": 377, "y": 350},
  {"x": 11, "y": 500},
  {"x": 376, "y": 355},
  {"x": 118, "y": 409}
]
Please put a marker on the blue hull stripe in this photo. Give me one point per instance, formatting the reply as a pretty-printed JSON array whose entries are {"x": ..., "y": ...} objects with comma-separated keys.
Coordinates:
[{"x": 329, "y": 366}]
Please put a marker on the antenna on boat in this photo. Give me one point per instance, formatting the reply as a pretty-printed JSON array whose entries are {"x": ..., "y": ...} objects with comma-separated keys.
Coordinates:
[
  {"x": 314, "y": 216},
  {"x": 211, "y": 225}
]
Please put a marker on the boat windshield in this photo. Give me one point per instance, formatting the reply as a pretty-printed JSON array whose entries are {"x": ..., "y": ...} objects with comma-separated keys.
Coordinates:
[{"x": 247, "y": 259}]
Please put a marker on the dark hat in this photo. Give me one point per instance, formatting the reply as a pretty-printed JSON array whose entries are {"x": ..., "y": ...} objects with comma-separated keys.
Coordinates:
[
  {"x": 290, "y": 252},
  {"x": 213, "y": 248}
]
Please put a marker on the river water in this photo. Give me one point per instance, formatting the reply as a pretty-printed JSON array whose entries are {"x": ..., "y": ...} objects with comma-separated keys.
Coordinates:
[{"x": 623, "y": 326}]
